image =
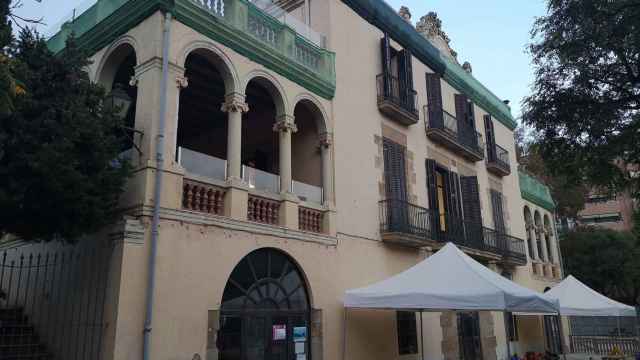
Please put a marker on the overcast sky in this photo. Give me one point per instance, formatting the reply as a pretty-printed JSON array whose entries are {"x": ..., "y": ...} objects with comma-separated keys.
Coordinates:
[{"x": 490, "y": 34}]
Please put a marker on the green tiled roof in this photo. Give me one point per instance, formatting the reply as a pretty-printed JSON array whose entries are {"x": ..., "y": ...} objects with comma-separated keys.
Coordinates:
[
  {"x": 535, "y": 191},
  {"x": 380, "y": 14}
]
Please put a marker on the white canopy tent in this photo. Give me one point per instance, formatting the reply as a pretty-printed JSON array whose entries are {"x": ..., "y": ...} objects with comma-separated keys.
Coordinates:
[
  {"x": 577, "y": 299},
  {"x": 448, "y": 280}
]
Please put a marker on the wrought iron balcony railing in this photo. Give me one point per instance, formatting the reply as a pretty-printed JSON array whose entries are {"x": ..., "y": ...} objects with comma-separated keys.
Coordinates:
[
  {"x": 454, "y": 133},
  {"x": 417, "y": 225},
  {"x": 396, "y": 99},
  {"x": 498, "y": 160}
]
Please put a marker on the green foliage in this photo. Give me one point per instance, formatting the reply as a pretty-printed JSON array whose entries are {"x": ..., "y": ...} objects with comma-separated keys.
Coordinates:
[
  {"x": 605, "y": 260},
  {"x": 58, "y": 178},
  {"x": 585, "y": 104},
  {"x": 569, "y": 197}
]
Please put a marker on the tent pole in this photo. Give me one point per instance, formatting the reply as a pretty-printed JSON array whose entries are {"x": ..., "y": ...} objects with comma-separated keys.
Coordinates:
[
  {"x": 344, "y": 333},
  {"x": 561, "y": 332},
  {"x": 506, "y": 334},
  {"x": 618, "y": 323},
  {"x": 421, "y": 336}
]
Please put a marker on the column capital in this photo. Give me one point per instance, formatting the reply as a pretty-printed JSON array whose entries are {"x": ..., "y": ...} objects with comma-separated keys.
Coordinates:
[
  {"x": 182, "y": 81},
  {"x": 284, "y": 125},
  {"x": 325, "y": 140},
  {"x": 235, "y": 102}
]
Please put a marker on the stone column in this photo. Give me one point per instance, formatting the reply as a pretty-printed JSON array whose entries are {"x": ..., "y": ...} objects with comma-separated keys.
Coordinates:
[
  {"x": 285, "y": 126},
  {"x": 326, "y": 140},
  {"x": 533, "y": 239},
  {"x": 234, "y": 106},
  {"x": 543, "y": 238}
]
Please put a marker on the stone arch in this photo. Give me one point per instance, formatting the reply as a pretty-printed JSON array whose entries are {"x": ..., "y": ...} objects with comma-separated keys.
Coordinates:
[
  {"x": 528, "y": 220},
  {"x": 546, "y": 222},
  {"x": 320, "y": 115},
  {"x": 218, "y": 59},
  {"x": 117, "y": 52},
  {"x": 273, "y": 86}
]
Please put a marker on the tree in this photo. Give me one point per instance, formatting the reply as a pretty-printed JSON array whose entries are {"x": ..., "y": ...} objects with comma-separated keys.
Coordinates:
[
  {"x": 569, "y": 197},
  {"x": 58, "y": 177},
  {"x": 605, "y": 260},
  {"x": 585, "y": 104}
]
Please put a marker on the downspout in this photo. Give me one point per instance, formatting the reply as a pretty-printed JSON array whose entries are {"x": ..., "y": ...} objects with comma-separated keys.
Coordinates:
[{"x": 151, "y": 278}]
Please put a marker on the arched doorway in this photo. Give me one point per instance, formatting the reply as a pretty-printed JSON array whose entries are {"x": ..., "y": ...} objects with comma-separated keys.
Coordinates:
[{"x": 265, "y": 307}]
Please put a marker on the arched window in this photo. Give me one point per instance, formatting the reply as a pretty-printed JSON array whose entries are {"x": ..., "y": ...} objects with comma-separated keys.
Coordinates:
[{"x": 265, "y": 309}]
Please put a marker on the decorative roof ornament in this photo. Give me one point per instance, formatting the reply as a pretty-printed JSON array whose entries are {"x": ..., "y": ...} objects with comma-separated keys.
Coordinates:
[
  {"x": 467, "y": 67},
  {"x": 430, "y": 26},
  {"x": 405, "y": 14}
]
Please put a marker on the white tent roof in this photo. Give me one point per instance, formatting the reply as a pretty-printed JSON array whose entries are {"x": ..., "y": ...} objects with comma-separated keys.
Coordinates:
[
  {"x": 577, "y": 299},
  {"x": 449, "y": 280}
]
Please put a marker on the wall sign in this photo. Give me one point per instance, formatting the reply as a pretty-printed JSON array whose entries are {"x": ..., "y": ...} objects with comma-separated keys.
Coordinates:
[{"x": 279, "y": 332}]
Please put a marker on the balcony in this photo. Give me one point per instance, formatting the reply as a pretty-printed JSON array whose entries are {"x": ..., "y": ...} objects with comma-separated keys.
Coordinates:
[
  {"x": 406, "y": 224},
  {"x": 258, "y": 30},
  {"x": 453, "y": 133},
  {"x": 498, "y": 161},
  {"x": 395, "y": 101}
]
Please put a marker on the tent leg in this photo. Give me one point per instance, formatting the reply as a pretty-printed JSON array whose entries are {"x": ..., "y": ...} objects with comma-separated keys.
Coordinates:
[
  {"x": 506, "y": 335},
  {"x": 618, "y": 324},
  {"x": 344, "y": 334},
  {"x": 421, "y": 336}
]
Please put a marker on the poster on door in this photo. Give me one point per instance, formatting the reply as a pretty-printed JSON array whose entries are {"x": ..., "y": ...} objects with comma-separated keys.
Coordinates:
[{"x": 279, "y": 332}]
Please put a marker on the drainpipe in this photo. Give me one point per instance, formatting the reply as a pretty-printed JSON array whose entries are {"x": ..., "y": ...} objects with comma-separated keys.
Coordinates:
[{"x": 158, "y": 187}]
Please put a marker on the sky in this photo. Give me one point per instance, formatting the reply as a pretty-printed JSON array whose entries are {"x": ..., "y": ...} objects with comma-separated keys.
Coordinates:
[{"x": 491, "y": 34}]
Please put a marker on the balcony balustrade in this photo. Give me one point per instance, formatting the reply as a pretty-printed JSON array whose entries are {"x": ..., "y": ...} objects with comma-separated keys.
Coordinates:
[
  {"x": 197, "y": 163},
  {"x": 498, "y": 161},
  {"x": 259, "y": 30},
  {"x": 396, "y": 100},
  {"x": 407, "y": 224},
  {"x": 453, "y": 133}
]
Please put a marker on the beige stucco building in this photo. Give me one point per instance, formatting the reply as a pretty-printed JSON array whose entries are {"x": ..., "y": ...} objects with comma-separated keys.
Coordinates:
[{"x": 305, "y": 149}]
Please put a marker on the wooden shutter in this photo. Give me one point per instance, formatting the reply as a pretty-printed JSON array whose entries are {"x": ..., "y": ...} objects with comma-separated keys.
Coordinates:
[
  {"x": 454, "y": 208},
  {"x": 434, "y": 101},
  {"x": 385, "y": 50},
  {"x": 394, "y": 170},
  {"x": 490, "y": 138},
  {"x": 406, "y": 73},
  {"x": 498, "y": 212},
  {"x": 461, "y": 107},
  {"x": 471, "y": 208},
  {"x": 471, "y": 115},
  {"x": 432, "y": 192}
]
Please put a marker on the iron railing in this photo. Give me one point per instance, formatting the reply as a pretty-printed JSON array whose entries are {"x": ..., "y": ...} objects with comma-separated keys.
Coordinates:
[
  {"x": 399, "y": 216},
  {"x": 52, "y": 300},
  {"x": 604, "y": 345},
  {"x": 403, "y": 217},
  {"x": 500, "y": 157},
  {"x": 391, "y": 89},
  {"x": 463, "y": 132}
]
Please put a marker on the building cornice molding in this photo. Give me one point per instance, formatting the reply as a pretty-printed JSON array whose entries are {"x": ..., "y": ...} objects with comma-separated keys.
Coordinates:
[{"x": 381, "y": 15}]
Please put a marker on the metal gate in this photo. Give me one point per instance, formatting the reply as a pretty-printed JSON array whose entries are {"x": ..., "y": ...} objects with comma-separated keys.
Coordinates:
[{"x": 52, "y": 300}]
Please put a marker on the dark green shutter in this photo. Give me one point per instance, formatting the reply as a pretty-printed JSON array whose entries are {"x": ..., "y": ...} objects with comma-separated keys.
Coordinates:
[
  {"x": 498, "y": 211},
  {"x": 394, "y": 170},
  {"x": 385, "y": 50},
  {"x": 434, "y": 101},
  {"x": 432, "y": 192},
  {"x": 461, "y": 107},
  {"x": 490, "y": 138},
  {"x": 455, "y": 230},
  {"x": 471, "y": 209}
]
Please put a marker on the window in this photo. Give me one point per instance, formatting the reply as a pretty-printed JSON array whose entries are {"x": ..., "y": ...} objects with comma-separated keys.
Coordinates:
[
  {"x": 442, "y": 206},
  {"x": 407, "y": 333},
  {"x": 394, "y": 170},
  {"x": 552, "y": 334},
  {"x": 469, "y": 336},
  {"x": 498, "y": 211},
  {"x": 397, "y": 74}
]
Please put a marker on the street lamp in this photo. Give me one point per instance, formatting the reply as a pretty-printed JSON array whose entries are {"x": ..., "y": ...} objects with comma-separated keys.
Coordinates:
[{"x": 119, "y": 101}]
